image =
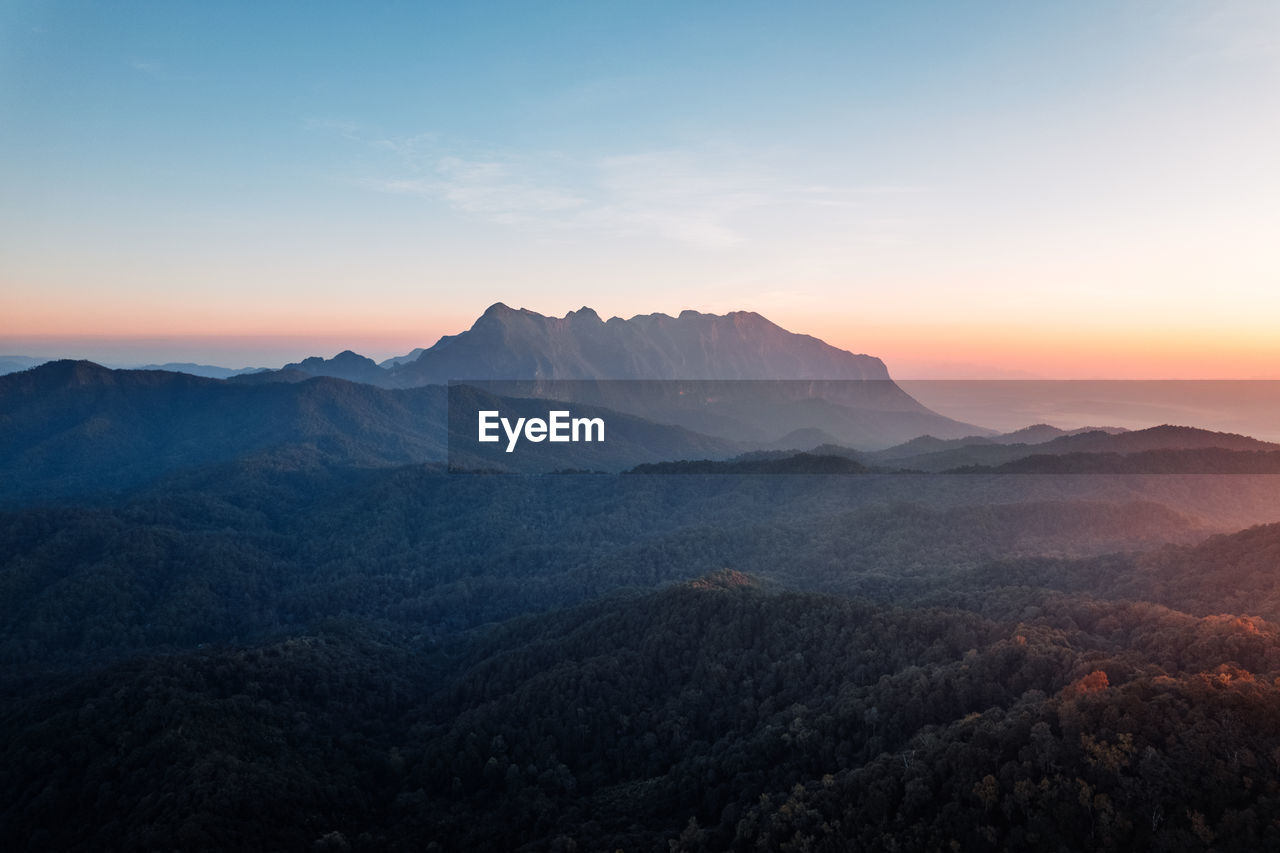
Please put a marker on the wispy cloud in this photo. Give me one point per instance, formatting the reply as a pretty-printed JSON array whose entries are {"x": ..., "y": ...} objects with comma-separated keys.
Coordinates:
[
  {"x": 1237, "y": 30},
  {"x": 490, "y": 189},
  {"x": 694, "y": 196},
  {"x": 154, "y": 69},
  {"x": 345, "y": 128}
]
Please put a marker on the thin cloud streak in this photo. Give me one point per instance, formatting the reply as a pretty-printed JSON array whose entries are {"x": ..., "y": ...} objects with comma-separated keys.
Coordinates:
[
  {"x": 694, "y": 197},
  {"x": 1239, "y": 30}
]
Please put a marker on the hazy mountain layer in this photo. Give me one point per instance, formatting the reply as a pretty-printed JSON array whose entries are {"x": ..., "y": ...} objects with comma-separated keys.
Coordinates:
[
  {"x": 71, "y": 428},
  {"x": 345, "y": 365},
  {"x": 852, "y": 400},
  {"x": 14, "y": 363},
  {"x": 209, "y": 370},
  {"x": 402, "y": 359},
  {"x": 979, "y": 452},
  {"x": 1035, "y": 434}
]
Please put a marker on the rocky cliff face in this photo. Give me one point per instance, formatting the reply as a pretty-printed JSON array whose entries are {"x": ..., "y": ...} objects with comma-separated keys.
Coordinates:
[{"x": 506, "y": 343}]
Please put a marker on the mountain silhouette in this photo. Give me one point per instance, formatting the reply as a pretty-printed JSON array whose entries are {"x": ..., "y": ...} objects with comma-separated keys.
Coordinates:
[
  {"x": 848, "y": 396},
  {"x": 74, "y": 427},
  {"x": 505, "y": 343},
  {"x": 988, "y": 454},
  {"x": 402, "y": 359},
  {"x": 345, "y": 365}
]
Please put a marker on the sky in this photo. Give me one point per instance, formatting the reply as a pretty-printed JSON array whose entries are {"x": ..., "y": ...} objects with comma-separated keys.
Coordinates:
[{"x": 980, "y": 189}]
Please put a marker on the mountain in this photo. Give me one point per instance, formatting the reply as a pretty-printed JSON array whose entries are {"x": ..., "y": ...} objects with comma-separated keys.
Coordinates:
[
  {"x": 345, "y": 365},
  {"x": 15, "y": 363},
  {"x": 862, "y": 414},
  {"x": 799, "y": 463},
  {"x": 1035, "y": 434},
  {"x": 268, "y": 377},
  {"x": 402, "y": 359},
  {"x": 74, "y": 427},
  {"x": 674, "y": 369},
  {"x": 505, "y": 343},
  {"x": 70, "y": 429},
  {"x": 806, "y": 437},
  {"x": 928, "y": 444},
  {"x": 211, "y": 371},
  {"x": 1160, "y": 438},
  {"x": 508, "y": 344},
  {"x": 1204, "y": 460},
  {"x": 1040, "y": 433},
  {"x": 1164, "y": 437}
]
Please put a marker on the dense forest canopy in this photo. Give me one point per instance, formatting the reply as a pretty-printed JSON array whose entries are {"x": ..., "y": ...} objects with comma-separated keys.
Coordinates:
[
  {"x": 393, "y": 658},
  {"x": 267, "y": 615}
]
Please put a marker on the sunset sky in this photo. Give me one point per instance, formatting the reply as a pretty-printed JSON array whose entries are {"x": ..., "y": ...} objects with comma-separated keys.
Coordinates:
[{"x": 999, "y": 189}]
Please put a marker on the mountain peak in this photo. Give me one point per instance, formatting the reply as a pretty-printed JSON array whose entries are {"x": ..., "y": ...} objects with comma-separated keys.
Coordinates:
[
  {"x": 498, "y": 309},
  {"x": 66, "y": 373},
  {"x": 585, "y": 313},
  {"x": 509, "y": 344},
  {"x": 345, "y": 365},
  {"x": 349, "y": 356}
]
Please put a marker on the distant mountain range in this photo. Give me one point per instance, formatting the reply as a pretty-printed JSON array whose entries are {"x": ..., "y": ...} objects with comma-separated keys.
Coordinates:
[
  {"x": 345, "y": 365},
  {"x": 74, "y": 428},
  {"x": 77, "y": 428},
  {"x": 505, "y": 343},
  {"x": 208, "y": 370},
  {"x": 1158, "y": 450},
  {"x": 1034, "y": 434},
  {"x": 851, "y": 397},
  {"x": 14, "y": 363},
  {"x": 991, "y": 453},
  {"x": 402, "y": 359},
  {"x": 70, "y": 428}
]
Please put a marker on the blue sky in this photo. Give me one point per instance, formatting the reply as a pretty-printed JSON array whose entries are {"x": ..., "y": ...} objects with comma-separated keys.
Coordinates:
[{"x": 1084, "y": 188}]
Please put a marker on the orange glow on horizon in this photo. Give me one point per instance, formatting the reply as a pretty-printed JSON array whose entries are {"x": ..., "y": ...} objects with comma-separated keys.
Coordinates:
[
  {"x": 933, "y": 352},
  {"x": 963, "y": 350}
]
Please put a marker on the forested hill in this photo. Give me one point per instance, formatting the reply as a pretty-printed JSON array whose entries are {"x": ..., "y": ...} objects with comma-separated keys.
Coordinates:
[
  {"x": 73, "y": 428},
  {"x": 709, "y": 716},
  {"x": 244, "y": 551},
  {"x": 1210, "y": 460},
  {"x": 798, "y": 463},
  {"x": 1239, "y": 573},
  {"x": 984, "y": 454}
]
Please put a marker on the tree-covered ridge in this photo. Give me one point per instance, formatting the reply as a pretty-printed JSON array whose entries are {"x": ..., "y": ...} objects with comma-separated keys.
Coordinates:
[
  {"x": 715, "y": 716},
  {"x": 1201, "y": 461},
  {"x": 252, "y": 552},
  {"x": 69, "y": 429},
  {"x": 799, "y": 463},
  {"x": 267, "y": 655},
  {"x": 75, "y": 430}
]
